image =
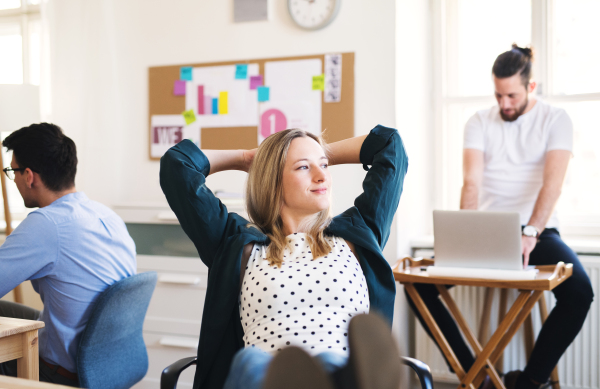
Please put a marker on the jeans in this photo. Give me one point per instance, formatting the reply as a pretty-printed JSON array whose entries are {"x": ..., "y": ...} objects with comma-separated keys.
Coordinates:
[
  {"x": 573, "y": 300},
  {"x": 250, "y": 365},
  {"x": 18, "y": 311}
]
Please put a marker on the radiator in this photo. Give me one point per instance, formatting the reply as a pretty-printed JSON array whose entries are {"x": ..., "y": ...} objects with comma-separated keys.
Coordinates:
[{"x": 579, "y": 367}]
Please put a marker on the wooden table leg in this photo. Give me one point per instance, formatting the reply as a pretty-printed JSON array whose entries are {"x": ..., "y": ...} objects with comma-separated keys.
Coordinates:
[
  {"x": 28, "y": 364},
  {"x": 484, "y": 325},
  {"x": 544, "y": 315},
  {"x": 508, "y": 335},
  {"x": 493, "y": 343},
  {"x": 436, "y": 332},
  {"x": 503, "y": 303},
  {"x": 464, "y": 327}
]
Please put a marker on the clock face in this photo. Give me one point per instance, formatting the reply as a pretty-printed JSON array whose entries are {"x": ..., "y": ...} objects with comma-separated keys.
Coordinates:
[{"x": 313, "y": 14}]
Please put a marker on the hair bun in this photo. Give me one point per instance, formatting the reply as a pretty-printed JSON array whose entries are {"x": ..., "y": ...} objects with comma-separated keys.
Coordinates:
[{"x": 526, "y": 51}]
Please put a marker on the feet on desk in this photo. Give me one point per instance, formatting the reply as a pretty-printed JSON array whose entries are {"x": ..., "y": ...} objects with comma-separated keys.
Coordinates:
[{"x": 293, "y": 368}]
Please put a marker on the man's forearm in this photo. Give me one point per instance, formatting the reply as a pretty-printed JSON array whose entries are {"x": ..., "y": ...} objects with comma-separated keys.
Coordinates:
[
  {"x": 469, "y": 197},
  {"x": 544, "y": 205}
]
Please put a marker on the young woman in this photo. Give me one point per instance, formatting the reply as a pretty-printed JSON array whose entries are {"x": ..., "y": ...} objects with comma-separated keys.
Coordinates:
[{"x": 292, "y": 276}]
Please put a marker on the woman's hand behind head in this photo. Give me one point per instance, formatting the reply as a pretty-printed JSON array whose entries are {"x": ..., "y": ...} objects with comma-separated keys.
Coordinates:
[{"x": 248, "y": 157}]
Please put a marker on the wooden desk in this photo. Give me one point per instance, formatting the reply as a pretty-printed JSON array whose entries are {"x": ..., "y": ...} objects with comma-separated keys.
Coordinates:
[
  {"x": 20, "y": 383},
  {"x": 19, "y": 340},
  {"x": 530, "y": 291}
]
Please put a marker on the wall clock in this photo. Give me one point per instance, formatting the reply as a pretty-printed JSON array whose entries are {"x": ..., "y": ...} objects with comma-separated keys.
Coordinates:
[{"x": 313, "y": 14}]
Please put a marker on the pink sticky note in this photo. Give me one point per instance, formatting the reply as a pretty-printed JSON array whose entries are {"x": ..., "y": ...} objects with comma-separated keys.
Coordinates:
[
  {"x": 255, "y": 81},
  {"x": 200, "y": 99},
  {"x": 179, "y": 88}
]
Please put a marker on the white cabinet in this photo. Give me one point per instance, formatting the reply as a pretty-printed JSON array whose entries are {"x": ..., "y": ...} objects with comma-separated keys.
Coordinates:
[{"x": 172, "y": 324}]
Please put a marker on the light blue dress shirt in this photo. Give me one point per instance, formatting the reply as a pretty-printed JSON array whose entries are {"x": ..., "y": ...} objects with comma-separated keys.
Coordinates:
[{"x": 71, "y": 250}]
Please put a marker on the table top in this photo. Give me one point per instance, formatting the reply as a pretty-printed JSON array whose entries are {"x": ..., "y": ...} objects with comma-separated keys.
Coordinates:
[
  {"x": 22, "y": 383},
  {"x": 10, "y": 326},
  {"x": 547, "y": 278}
]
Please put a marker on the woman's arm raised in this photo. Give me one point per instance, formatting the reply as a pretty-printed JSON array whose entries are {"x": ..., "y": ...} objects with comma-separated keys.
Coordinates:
[
  {"x": 221, "y": 160},
  {"x": 346, "y": 151}
]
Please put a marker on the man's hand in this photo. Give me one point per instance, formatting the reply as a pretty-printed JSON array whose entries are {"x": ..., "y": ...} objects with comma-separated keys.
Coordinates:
[
  {"x": 527, "y": 245},
  {"x": 248, "y": 157}
]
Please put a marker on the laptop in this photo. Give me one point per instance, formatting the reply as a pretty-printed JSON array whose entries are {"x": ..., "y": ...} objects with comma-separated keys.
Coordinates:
[{"x": 478, "y": 244}]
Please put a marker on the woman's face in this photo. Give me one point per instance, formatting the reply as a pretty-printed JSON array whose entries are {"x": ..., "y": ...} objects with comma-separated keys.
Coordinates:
[{"x": 306, "y": 179}]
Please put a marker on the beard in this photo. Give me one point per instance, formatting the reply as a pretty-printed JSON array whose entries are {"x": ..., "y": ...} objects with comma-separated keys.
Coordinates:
[{"x": 518, "y": 112}]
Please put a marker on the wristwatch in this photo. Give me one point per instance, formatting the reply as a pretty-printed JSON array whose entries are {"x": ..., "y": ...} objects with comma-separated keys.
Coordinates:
[{"x": 530, "y": 231}]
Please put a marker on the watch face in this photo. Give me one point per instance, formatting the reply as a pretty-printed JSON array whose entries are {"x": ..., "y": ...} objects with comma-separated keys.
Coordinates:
[
  {"x": 313, "y": 14},
  {"x": 529, "y": 231}
]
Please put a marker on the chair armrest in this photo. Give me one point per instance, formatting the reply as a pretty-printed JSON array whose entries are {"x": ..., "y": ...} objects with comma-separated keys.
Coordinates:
[
  {"x": 422, "y": 371},
  {"x": 169, "y": 376}
]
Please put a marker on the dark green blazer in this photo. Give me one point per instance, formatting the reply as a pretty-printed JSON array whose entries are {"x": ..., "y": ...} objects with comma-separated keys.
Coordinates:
[{"x": 220, "y": 238}]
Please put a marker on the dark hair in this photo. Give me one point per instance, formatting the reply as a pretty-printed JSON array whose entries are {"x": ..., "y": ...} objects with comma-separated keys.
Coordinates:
[
  {"x": 518, "y": 60},
  {"x": 47, "y": 151}
]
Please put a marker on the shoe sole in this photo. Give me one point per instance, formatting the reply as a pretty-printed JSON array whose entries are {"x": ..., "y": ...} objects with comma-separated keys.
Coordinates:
[
  {"x": 374, "y": 357},
  {"x": 293, "y": 368}
]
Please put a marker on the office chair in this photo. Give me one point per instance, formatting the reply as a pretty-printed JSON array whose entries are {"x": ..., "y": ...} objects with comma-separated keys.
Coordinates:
[
  {"x": 112, "y": 353},
  {"x": 169, "y": 376}
]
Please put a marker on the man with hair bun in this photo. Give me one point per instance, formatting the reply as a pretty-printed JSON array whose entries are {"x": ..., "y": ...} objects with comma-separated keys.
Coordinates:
[
  {"x": 71, "y": 248},
  {"x": 515, "y": 159}
]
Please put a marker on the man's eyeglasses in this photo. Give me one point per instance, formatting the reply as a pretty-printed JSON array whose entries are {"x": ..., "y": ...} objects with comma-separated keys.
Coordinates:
[{"x": 10, "y": 172}]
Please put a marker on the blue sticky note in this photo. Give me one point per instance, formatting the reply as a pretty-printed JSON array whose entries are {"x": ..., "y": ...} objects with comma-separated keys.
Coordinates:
[
  {"x": 215, "y": 106},
  {"x": 263, "y": 93},
  {"x": 185, "y": 73},
  {"x": 241, "y": 72}
]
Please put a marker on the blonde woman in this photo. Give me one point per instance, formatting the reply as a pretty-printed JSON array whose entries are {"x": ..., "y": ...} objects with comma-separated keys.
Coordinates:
[{"x": 284, "y": 287}]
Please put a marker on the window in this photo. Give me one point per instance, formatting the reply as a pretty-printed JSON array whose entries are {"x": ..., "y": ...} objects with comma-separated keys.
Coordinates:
[
  {"x": 470, "y": 34},
  {"x": 20, "y": 42},
  {"x": 20, "y": 50}
]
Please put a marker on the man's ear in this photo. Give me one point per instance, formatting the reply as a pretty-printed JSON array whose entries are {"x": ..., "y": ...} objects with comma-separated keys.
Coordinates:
[
  {"x": 531, "y": 86},
  {"x": 30, "y": 178}
]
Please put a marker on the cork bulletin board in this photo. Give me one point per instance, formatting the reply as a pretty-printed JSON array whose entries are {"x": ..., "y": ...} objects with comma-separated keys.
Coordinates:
[{"x": 337, "y": 118}]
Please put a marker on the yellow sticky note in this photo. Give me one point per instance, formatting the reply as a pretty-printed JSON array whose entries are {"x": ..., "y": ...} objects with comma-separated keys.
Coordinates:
[
  {"x": 189, "y": 116},
  {"x": 222, "y": 103},
  {"x": 318, "y": 82}
]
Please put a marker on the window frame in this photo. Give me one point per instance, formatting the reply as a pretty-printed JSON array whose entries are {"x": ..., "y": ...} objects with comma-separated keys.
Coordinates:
[
  {"x": 24, "y": 14},
  {"x": 445, "y": 173}
]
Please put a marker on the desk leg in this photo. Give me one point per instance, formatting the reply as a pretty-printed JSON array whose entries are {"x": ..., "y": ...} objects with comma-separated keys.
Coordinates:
[
  {"x": 436, "y": 332},
  {"x": 527, "y": 307},
  {"x": 28, "y": 364},
  {"x": 480, "y": 362},
  {"x": 464, "y": 327}
]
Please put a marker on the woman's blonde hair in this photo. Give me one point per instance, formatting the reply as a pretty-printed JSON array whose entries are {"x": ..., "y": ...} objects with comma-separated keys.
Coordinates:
[{"x": 264, "y": 196}]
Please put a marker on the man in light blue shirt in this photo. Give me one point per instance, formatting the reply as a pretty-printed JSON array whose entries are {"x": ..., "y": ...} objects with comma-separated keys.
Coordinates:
[{"x": 71, "y": 248}]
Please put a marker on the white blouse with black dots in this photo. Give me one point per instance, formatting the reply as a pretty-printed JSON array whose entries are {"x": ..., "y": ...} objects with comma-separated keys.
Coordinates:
[{"x": 306, "y": 303}]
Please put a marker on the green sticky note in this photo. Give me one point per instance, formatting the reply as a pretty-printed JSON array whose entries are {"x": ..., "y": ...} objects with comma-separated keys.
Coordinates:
[
  {"x": 318, "y": 82},
  {"x": 189, "y": 116}
]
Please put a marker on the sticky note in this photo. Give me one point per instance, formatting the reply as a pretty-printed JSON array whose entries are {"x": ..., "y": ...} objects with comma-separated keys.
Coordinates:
[
  {"x": 200, "y": 99},
  {"x": 189, "y": 116},
  {"x": 255, "y": 81},
  {"x": 179, "y": 88},
  {"x": 263, "y": 93},
  {"x": 215, "y": 106},
  {"x": 241, "y": 72},
  {"x": 222, "y": 103},
  {"x": 318, "y": 82},
  {"x": 185, "y": 73}
]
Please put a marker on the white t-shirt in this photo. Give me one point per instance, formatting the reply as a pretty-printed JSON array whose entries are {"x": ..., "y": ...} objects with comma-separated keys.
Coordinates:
[
  {"x": 514, "y": 155},
  {"x": 306, "y": 303}
]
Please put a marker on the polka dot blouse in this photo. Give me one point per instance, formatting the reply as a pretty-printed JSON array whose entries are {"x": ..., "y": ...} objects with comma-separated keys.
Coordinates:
[{"x": 306, "y": 303}]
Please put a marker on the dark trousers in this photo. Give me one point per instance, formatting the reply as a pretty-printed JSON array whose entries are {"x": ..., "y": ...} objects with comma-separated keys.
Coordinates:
[
  {"x": 573, "y": 300},
  {"x": 19, "y": 311}
]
